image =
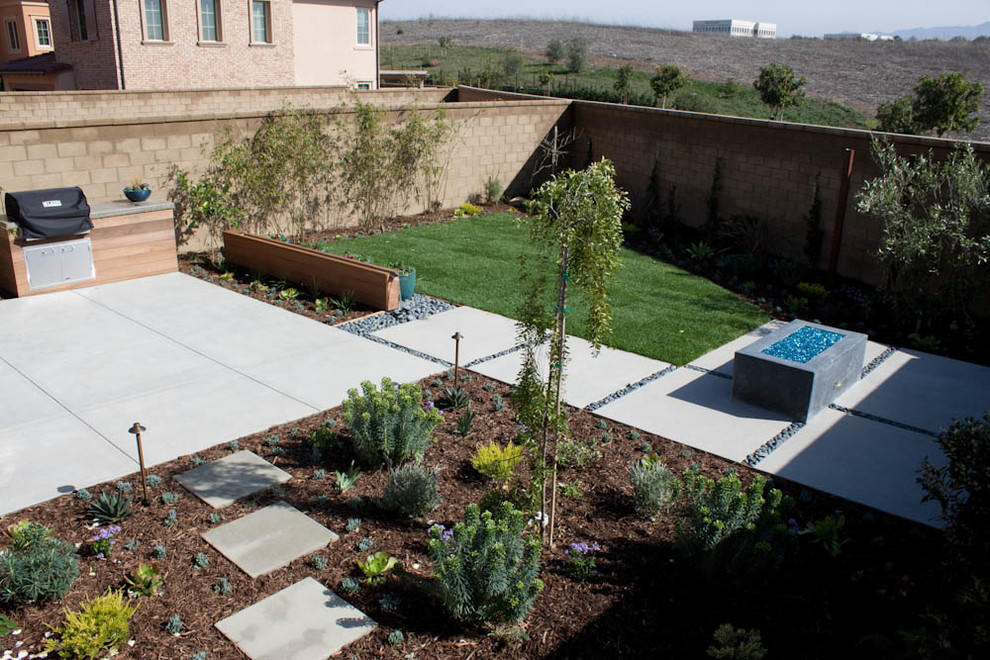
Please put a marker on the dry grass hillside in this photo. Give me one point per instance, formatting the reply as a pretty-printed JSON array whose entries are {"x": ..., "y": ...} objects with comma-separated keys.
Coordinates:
[{"x": 858, "y": 74}]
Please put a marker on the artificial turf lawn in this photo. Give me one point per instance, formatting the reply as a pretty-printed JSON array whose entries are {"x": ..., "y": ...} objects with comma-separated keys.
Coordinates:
[{"x": 658, "y": 310}]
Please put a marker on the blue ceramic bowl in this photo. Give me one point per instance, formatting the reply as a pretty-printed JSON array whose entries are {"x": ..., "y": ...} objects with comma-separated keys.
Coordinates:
[{"x": 137, "y": 194}]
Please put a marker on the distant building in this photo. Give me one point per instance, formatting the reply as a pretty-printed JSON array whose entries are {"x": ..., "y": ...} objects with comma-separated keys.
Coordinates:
[
  {"x": 858, "y": 36},
  {"x": 27, "y": 58},
  {"x": 735, "y": 27}
]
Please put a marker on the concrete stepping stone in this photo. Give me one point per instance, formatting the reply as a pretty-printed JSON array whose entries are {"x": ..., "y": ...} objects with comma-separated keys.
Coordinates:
[
  {"x": 221, "y": 482},
  {"x": 269, "y": 538},
  {"x": 306, "y": 621},
  {"x": 484, "y": 334}
]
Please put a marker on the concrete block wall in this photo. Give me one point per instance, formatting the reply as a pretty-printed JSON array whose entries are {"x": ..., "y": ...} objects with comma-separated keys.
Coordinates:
[
  {"x": 30, "y": 109},
  {"x": 102, "y": 157}
]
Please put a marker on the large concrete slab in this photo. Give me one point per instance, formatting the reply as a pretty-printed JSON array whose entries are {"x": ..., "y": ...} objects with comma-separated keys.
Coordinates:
[
  {"x": 269, "y": 538},
  {"x": 588, "y": 378},
  {"x": 222, "y": 482},
  {"x": 862, "y": 460},
  {"x": 53, "y": 455},
  {"x": 306, "y": 621},
  {"x": 483, "y": 333},
  {"x": 922, "y": 390},
  {"x": 696, "y": 409}
]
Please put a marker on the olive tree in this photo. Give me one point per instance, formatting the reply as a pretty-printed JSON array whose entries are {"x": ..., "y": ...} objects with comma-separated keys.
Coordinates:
[
  {"x": 780, "y": 88},
  {"x": 942, "y": 104},
  {"x": 935, "y": 230},
  {"x": 577, "y": 219}
]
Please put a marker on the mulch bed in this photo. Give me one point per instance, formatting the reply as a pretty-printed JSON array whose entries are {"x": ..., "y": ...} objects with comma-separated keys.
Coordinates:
[{"x": 646, "y": 600}]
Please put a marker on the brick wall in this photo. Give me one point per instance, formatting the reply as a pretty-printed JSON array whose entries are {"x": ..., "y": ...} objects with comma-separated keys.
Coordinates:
[
  {"x": 768, "y": 169},
  {"x": 30, "y": 109},
  {"x": 488, "y": 140},
  {"x": 95, "y": 60}
]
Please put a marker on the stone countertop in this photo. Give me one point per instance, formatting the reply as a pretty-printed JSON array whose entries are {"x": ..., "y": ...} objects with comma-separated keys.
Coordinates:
[{"x": 125, "y": 207}]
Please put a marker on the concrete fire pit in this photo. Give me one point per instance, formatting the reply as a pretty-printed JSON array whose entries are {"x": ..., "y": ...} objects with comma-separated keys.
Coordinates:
[{"x": 799, "y": 369}]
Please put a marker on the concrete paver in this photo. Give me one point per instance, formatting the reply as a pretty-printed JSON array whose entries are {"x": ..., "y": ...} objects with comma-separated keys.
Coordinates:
[
  {"x": 588, "y": 378},
  {"x": 269, "y": 538},
  {"x": 922, "y": 390},
  {"x": 484, "y": 334},
  {"x": 222, "y": 482},
  {"x": 306, "y": 621},
  {"x": 696, "y": 409},
  {"x": 862, "y": 460}
]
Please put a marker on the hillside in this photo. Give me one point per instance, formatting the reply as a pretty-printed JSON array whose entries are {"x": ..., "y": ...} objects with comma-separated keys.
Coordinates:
[{"x": 858, "y": 74}]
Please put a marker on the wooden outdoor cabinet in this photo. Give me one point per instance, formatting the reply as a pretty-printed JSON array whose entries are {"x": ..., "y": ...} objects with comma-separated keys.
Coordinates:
[{"x": 127, "y": 241}]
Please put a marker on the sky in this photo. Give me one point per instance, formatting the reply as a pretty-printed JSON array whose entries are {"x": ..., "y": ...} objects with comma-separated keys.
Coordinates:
[{"x": 791, "y": 16}]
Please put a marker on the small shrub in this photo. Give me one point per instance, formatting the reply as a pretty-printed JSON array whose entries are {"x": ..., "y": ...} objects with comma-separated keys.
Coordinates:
[
  {"x": 350, "y": 586},
  {"x": 737, "y": 644},
  {"x": 319, "y": 562},
  {"x": 222, "y": 587},
  {"x": 101, "y": 544},
  {"x": 464, "y": 422},
  {"x": 467, "y": 210},
  {"x": 98, "y": 628},
  {"x": 159, "y": 551},
  {"x": 174, "y": 625},
  {"x": 110, "y": 508},
  {"x": 200, "y": 561},
  {"x": 602, "y": 424},
  {"x": 153, "y": 480},
  {"x": 7, "y": 625},
  {"x": 488, "y": 387},
  {"x": 634, "y": 436},
  {"x": 319, "y": 475},
  {"x": 36, "y": 567},
  {"x": 486, "y": 569},
  {"x": 411, "y": 490},
  {"x": 346, "y": 480},
  {"x": 396, "y": 638},
  {"x": 391, "y": 423},
  {"x": 828, "y": 533},
  {"x": 216, "y": 518},
  {"x": 132, "y": 545},
  {"x": 813, "y": 290},
  {"x": 171, "y": 519},
  {"x": 198, "y": 655},
  {"x": 84, "y": 495},
  {"x": 495, "y": 462},
  {"x": 522, "y": 498},
  {"x": 571, "y": 490},
  {"x": 579, "y": 560},
  {"x": 365, "y": 544},
  {"x": 716, "y": 509},
  {"x": 655, "y": 487},
  {"x": 125, "y": 486},
  {"x": 168, "y": 499},
  {"x": 145, "y": 581},
  {"x": 377, "y": 567},
  {"x": 576, "y": 453},
  {"x": 353, "y": 525},
  {"x": 493, "y": 190},
  {"x": 323, "y": 441},
  {"x": 497, "y": 403},
  {"x": 695, "y": 102},
  {"x": 390, "y": 603},
  {"x": 234, "y": 445}
]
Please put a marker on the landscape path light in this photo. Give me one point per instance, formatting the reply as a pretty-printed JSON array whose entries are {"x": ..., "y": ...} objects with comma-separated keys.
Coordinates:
[{"x": 137, "y": 429}]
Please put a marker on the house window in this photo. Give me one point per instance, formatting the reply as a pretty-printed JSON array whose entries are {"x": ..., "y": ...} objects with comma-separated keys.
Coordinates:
[
  {"x": 209, "y": 20},
  {"x": 78, "y": 28},
  {"x": 363, "y": 86},
  {"x": 364, "y": 27},
  {"x": 13, "y": 41},
  {"x": 155, "y": 20},
  {"x": 261, "y": 22},
  {"x": 43, "y": 30}
]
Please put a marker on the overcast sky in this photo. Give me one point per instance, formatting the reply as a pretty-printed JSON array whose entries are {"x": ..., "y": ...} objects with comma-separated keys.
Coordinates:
[{"x": 791, "y": 16}]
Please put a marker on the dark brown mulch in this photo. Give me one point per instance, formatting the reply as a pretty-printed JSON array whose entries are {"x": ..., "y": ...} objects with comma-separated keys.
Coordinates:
[{"x": 646, "y": 600}]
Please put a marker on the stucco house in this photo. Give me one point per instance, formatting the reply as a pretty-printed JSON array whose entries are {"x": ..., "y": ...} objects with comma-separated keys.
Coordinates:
[
  {"x": 27, "y": 60},
  {"x": 199, "y": 44}
]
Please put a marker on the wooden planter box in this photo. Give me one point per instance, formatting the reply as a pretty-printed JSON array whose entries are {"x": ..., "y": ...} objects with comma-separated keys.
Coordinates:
[{"x": 374, "y": 286}]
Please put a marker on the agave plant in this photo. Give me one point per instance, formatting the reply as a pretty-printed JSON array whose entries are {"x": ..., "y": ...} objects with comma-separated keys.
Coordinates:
[{"x": 111, "y": 508}]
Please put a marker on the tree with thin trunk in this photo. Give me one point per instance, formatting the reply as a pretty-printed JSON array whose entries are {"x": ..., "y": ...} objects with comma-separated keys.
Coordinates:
[
  {"x": 667, "y": 80},
  {"x": 576, "y": 216},
  {"x": 780, "y": 88},
  {"x": 622, "y": 80}
]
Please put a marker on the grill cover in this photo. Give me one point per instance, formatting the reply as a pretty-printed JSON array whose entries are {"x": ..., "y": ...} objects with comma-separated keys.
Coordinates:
[{"x": 49, "y": 213}]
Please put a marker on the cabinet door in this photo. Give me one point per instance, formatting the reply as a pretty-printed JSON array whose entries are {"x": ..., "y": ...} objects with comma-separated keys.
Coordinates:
[
  {"x": 76, "y": 260},
  {"x": 43, "y": 267}
]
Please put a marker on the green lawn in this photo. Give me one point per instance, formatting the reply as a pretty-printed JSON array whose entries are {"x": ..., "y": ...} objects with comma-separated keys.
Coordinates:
[{"x": 659, "y": 311}]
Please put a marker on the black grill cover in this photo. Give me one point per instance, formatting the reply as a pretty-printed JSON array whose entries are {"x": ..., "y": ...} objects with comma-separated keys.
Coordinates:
[{"x": 49, "y": 213}]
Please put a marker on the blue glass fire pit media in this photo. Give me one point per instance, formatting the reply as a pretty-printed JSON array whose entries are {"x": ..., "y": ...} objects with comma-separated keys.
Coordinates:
[{"x": 803, "y": 344}]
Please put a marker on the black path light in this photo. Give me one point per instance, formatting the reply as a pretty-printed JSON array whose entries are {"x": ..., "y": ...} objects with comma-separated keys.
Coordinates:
[{"x": 137, "y": 429}]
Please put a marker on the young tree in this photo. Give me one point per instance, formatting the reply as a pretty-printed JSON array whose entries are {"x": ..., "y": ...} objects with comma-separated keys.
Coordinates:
[
  {"x": 779, "y": 88},
  {"x": 578, "y": 217},
  {"x": 667, "y": 80},
  {"x": 947, "y": 103},
  {"x": 545, "y": 79},
  {"x": 577, "y": 53},
  {"x": 554, "y": 52},
  {"x": 897, "y": 116},
  {"x": 622, "y": 79},
  {"x": 935, "y": 231},
  {"x": 444, "y": 42}
]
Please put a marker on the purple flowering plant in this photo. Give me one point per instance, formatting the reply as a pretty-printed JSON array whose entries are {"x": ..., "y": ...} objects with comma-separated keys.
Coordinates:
[
  {"x": 101, "y": 545},
  {"x": 579, "y": 560}
]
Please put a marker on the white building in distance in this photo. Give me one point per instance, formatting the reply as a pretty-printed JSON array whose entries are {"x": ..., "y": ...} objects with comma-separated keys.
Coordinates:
[
  {"x": 735, "y": 27},
  {"x": 858, "y": 36}
]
